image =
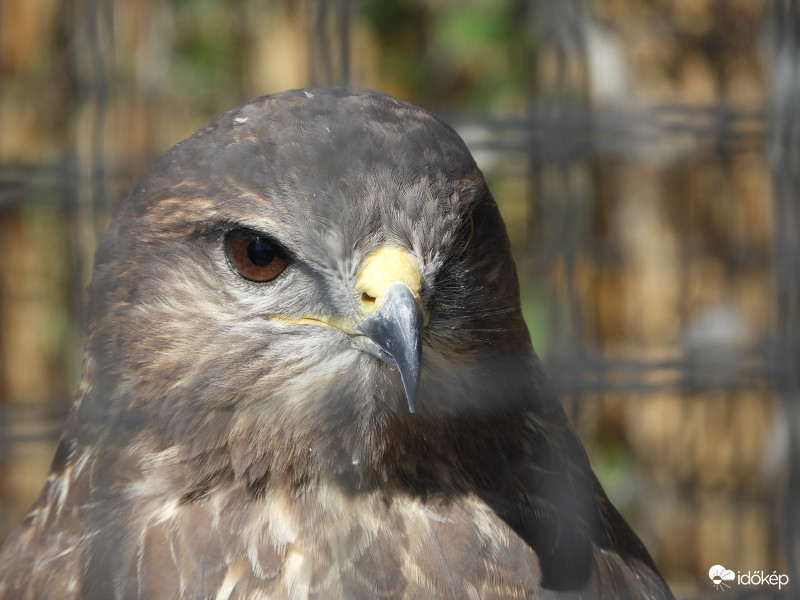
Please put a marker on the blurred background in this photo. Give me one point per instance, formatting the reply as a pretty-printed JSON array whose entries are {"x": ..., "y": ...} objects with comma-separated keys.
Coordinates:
[{"x": 645, "y": 155}]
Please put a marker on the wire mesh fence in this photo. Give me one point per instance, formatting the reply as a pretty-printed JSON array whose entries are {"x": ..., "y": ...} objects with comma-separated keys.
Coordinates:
[{"x": 656, "y": 234}]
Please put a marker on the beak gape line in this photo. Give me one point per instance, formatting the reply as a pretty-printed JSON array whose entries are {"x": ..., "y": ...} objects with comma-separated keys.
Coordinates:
[{"x": 396, "y": 331}]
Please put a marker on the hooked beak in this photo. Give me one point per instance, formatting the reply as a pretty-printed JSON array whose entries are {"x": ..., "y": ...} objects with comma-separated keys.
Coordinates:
[
  {"x": 396, "y": 329},
  {"x": 391, "y": 314}
]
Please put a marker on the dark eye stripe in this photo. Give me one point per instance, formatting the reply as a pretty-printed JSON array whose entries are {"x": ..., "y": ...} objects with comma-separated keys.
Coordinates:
[{"x": 254, "y": 256}]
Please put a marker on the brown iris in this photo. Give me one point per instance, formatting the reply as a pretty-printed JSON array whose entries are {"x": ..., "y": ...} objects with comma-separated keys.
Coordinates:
[{"x": 254, "y": 256}]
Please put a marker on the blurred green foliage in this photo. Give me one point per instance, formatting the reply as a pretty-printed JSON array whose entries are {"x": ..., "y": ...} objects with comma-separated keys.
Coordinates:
[
  {"x": 475, "y": 53},
  {"x": 206, "y": 63}
]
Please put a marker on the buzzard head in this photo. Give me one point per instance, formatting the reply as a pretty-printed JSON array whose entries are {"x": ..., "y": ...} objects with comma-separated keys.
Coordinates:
[{"x": 317, "y": 282}]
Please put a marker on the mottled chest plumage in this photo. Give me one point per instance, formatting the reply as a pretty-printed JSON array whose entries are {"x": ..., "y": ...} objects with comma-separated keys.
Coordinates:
[{"x": 327, "y": 543}]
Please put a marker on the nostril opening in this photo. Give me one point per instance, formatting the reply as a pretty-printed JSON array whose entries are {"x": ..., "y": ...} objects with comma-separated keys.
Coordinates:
[{"x": 365, "y": 297}]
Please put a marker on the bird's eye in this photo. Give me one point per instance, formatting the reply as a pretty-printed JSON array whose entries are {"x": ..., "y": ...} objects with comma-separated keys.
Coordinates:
[{"x": 254, "y": 256}]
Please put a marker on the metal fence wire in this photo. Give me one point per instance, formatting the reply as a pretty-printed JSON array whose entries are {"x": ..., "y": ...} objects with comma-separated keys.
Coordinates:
[{"x": 657, "y": 237}]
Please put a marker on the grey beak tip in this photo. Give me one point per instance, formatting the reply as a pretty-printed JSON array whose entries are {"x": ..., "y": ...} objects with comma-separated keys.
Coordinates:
[
  {"x": 396, "y": 328},
  {"x": 411, "y": 395}
]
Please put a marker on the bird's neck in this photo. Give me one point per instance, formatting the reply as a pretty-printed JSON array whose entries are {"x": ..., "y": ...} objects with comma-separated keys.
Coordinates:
[{"x": 418, "y": 457}]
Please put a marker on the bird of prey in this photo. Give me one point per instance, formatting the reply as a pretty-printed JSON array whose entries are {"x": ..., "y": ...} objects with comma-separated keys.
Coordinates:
[{"x": 307, "y": 375}]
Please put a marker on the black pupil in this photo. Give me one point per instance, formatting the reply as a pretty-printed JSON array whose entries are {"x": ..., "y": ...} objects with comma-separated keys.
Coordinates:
[{"x": 260, "y": 251}]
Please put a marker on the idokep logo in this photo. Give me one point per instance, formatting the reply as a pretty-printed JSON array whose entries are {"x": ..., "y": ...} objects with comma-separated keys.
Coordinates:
[{"x": 719, "y": 577}]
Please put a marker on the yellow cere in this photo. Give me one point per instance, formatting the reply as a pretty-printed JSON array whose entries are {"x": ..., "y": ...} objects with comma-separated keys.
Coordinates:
[{"x": 382, "y": 268}]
